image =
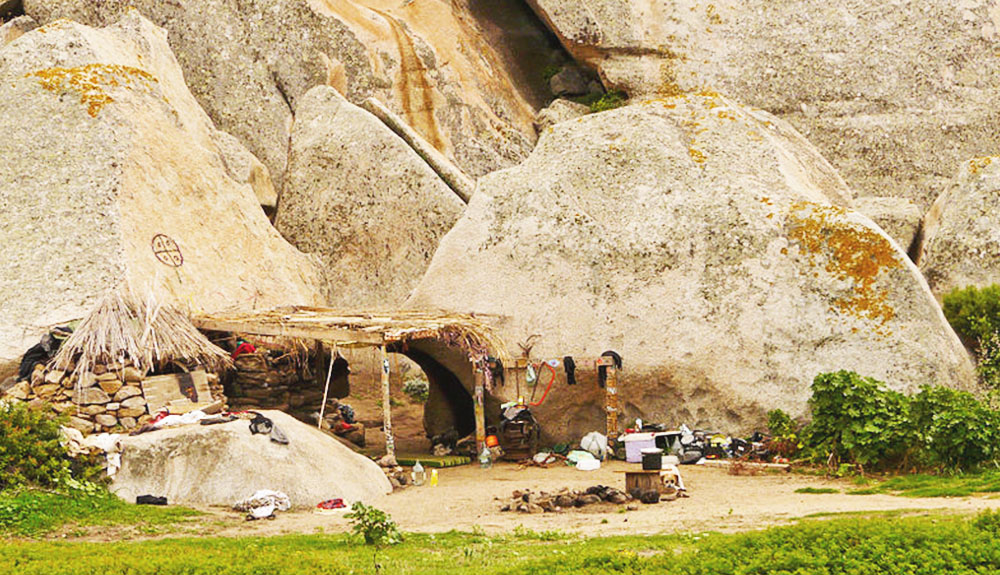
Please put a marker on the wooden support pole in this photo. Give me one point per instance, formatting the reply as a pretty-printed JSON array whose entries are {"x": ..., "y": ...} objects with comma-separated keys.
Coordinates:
[
  {"x": 480, "y": 409},
  {"x": 326, "y": 386},
  {"x": 610, "y": 395},
  {"x": 390, "y": 443}
]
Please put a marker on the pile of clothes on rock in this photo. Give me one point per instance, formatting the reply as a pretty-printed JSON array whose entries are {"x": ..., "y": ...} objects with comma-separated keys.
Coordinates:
[
  {"x": 262, "y": 504},
  {"x": 528, "y": 501},
  {"x": 259, "y": 423},
  {"x": 341, "y": 420}
]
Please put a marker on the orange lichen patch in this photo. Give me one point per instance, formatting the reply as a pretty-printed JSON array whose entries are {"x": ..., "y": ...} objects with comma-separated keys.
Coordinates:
[
  {"x": 697, "y": 155},
  {"x": 92, "y": 81},
  {"x": 977, "y": 164},
  {"x": 852, "y": 253}
]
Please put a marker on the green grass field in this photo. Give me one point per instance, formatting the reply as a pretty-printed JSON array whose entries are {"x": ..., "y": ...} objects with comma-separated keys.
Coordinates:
[
  {"x": 928, "y": 544},
  {"x": 922, "y": 485}
]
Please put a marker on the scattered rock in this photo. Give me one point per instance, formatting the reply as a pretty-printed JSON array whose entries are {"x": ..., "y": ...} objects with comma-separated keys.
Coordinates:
[{"x": 46, "y": 391}]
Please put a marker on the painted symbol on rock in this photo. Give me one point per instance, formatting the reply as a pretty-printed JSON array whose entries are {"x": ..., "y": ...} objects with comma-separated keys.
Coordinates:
[{"x": 166, "y": 250}]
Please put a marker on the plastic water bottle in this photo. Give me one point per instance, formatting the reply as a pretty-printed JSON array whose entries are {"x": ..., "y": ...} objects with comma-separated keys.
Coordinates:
[
  {"x": 434, "y": 477},
  {"x": 418, "y": 474},
  {"x": 485, "y": 459}
]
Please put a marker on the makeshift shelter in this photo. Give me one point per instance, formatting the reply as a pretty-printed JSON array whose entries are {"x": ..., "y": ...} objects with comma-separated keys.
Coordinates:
[
  {"x": 457, "y": 345},
  {"x": 99, "y": 375}
]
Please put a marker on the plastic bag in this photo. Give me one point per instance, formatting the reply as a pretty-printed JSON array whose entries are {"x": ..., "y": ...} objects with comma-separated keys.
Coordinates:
[{"x": 596, "y": 443}]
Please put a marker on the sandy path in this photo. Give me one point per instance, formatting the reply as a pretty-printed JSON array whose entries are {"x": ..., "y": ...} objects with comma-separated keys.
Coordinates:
[{"x": 464, "y": 499}]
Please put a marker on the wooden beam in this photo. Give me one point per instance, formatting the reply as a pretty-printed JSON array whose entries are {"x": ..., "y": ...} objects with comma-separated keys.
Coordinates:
[
  {"x": 611, "y": 400},
  {"x": 480, "y": 409},
  {"x": 390, "y": 442},
  {"x": 291, "y": 330}
]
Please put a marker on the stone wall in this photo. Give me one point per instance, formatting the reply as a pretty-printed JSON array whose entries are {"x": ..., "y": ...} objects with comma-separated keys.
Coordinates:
[{"x": 109, "y": 398}]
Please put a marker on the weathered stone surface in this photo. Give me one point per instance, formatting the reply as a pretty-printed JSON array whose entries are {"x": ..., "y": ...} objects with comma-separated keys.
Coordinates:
[
  {"x": 90, "y": 395},
  {"x": 248, "y": 63},
  {"x": 560, "y": 110},
  {"x": 106, "y": 420},
  {"x": 108, "y": 376},
  {"x": 961, "y": 244},
  {"x": 110, "y": 386},
  {"x": 55, "y": 376},
  {"x": 86, "y": 379},
  {"x": 708, "y": 244},
  {"x": 16, "y": 28},
  {"x": 101, "y": 120},
  {"x": 19, "y": 391},
  {"x": 899, "y": 218},
  {"x": 64, "y": 406},
  {"x": 363, "y": 201},
  {"x": 895, "y": 94},
  {"x": 93, "y": 409},
  {"x": 113, "y": 406},
  {"x": 132, "y": 412},
  {"x": 217, "y": 464},
  {"x": 83, "y": 425},
  {"x": 46, "y": 391},
  {"x": 570, "y": 81},
  {"x": 131, "y": 375},
  {"x": 128, "y": 422},
  {"x": 127, "y": 392},
  {"x": 133, "y": 402}
]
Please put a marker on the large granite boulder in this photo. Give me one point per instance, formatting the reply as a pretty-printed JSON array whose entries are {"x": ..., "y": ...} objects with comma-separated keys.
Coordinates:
[
  {"x": 961, "y": 244},
  {"x": 707, "y": 243},
  {"x": 223, "y": 463},
  {"x": 894, "y": 94},
  {"x": 248, "y": 63},
  {"x": 110, "y": 172},
  {"x": 899, "y": 218},
  {"x": 359, "y": 197}
]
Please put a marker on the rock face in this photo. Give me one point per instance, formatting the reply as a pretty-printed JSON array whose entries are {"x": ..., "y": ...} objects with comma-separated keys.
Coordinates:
[
  {"x": 708, "y": 244},
  {"x": 16, "y": 28},
  {"x": 112, "y": 173},
  {"x": 223, "y": 463},
  {"x": 895, "y": 94},
  {"x": 961, "y": 244},
  {"x": 560, "y": 110},
  {"x": 248, "y": 63},
  {"x": 899, "y": 218},
  {"x": 360, "y": 198}
]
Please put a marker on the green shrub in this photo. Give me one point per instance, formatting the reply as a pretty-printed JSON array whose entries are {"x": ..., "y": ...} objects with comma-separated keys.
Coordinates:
[
  {"x": 417, "y": 388},
  {"x": 780, "y": 424},
  {"x": 603, "y": 102},
  {"x": 953, "y": 428},
  {"x": 373, "y": 525},
  {"x": 973, "y": 313},
  {"x": 30, "y": 452},
  {"x": 857, "y": 419}
]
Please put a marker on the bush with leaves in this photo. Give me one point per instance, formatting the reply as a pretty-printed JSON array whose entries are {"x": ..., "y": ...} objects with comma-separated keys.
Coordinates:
[
  {"x": 857, "y": 419},
  {"x": 953, "y": 428},
  {"x": 417, "y": 388},
  {"x": 974, "y": 314},
  {"x": 31, "y": 454}
]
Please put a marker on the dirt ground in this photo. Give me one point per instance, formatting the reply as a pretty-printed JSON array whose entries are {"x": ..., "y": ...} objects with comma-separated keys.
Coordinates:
[{"x": 466, "y": 498}]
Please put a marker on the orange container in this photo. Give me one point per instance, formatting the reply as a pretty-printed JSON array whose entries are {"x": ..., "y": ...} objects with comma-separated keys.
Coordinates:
[{"x": 492, "y": 441}]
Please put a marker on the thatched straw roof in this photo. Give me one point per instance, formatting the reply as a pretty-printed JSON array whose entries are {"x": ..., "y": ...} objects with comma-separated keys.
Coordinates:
[
  {"x": 123, "y": 327},
  {"x": 467, "y": 332}
]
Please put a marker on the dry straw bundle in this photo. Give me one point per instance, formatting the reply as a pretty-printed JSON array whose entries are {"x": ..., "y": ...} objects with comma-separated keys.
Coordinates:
[{"x": 147, "y": 333}]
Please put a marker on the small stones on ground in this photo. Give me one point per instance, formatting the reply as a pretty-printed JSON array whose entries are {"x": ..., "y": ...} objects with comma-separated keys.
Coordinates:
[{"x": 528, "y": 501}]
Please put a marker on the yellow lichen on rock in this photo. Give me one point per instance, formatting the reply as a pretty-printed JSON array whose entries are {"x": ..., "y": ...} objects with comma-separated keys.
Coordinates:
[
  {"x": 92, "y": 81},
  {"x": 976, "y": 164},
  {"x": 852, "y": 253}
]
